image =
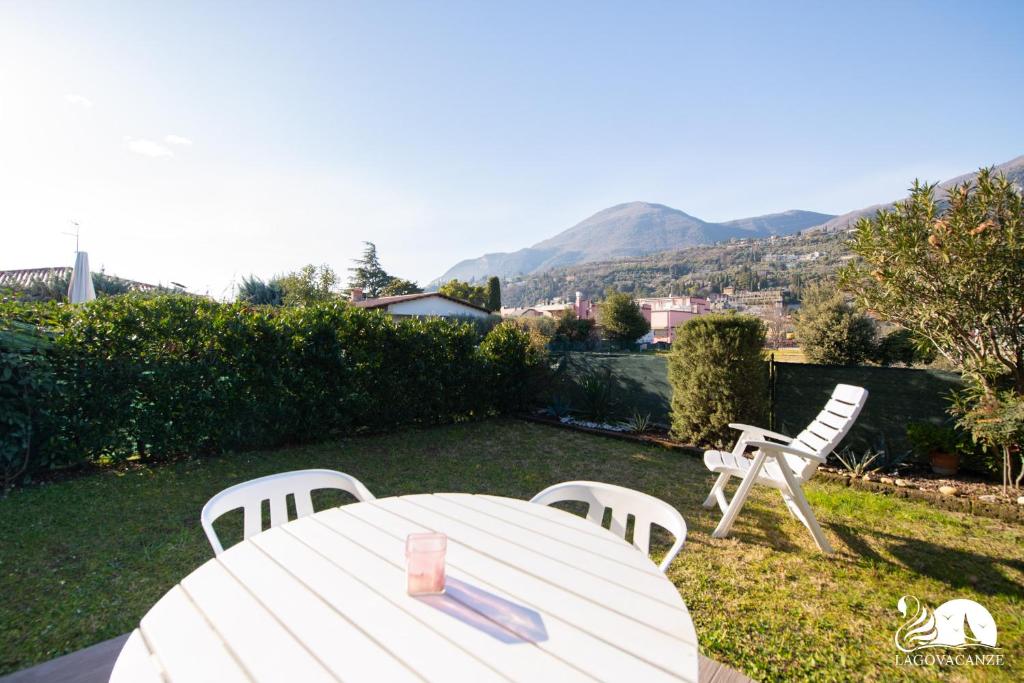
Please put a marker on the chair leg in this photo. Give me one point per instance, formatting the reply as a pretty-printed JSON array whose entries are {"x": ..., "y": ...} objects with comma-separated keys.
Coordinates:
[
  {"x": 723, "y": 504},
  {"x": 792, "y": 507},
  {"x": 717, "y": 491},
  {"x": 806, "y": 515},
  {"x": 749, "y": 479}
]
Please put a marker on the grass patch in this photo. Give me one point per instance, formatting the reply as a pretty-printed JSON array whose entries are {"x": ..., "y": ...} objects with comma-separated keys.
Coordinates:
[
  {"x": 787, "y": 355},
  {"x": 82, "y": 560}
]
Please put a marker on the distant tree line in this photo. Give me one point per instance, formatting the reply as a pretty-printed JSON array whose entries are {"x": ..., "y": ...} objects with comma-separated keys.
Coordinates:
[{"x": 313, "y": 284}]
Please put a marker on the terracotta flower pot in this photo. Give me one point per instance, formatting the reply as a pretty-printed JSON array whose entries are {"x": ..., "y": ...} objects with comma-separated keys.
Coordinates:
[{"x": 944, "y": 463}]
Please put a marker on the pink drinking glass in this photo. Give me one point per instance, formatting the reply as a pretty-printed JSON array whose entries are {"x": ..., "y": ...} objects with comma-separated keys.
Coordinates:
[{"x": 424, "y": 555}]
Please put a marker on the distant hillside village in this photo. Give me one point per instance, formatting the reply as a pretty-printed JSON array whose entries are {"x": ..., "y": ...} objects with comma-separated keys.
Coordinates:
[
  {"x": 666, "y": 313},
  {"x": 788, "y": 263}
]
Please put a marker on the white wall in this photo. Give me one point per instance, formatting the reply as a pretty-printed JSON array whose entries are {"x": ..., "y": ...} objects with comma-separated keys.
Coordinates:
[{"x": 436, "y": 306}]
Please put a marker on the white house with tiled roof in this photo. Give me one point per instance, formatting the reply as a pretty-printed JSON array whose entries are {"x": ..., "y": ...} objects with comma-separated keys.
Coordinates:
[{"x": 423, "y": 305}]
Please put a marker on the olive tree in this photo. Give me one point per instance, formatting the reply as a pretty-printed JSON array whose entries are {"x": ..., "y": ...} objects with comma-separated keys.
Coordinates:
[{"x": 951, "y": 271}]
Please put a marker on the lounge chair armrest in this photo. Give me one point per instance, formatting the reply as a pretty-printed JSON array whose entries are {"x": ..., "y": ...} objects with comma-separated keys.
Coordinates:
[
  {"x": 761, "y": 433},
  {"x": 773, "y": 448}
]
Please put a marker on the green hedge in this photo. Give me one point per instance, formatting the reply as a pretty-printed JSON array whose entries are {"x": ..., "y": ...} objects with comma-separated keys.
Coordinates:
[{"x": 176, "y": 375}]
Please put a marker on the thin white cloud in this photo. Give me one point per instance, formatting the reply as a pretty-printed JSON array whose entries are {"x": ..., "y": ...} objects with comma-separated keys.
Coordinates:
[
  {"x": 148, "y": 148},
  {"x": 78, "y": 100},
  {"x": 178, "y": 140}
]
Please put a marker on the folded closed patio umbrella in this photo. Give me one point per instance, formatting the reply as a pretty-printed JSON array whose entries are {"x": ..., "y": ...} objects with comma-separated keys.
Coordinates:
[{"x": 81, "y": 290}]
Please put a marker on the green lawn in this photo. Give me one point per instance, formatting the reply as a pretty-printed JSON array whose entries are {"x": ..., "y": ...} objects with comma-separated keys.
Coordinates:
[{"x": 82, "y": 560}]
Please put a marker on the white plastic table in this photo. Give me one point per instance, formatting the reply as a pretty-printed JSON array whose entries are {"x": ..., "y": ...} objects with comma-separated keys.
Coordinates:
[{"x": 533, "y": 594}]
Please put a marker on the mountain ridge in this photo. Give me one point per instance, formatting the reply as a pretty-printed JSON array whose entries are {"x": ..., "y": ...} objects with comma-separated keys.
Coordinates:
[
  {"x": 628, "y": 229},
  {"x": 1013, "y": 169},
  {"x": 638, "y": 228}
]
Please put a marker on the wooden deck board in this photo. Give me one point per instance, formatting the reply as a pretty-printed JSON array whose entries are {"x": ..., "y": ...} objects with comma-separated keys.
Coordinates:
[
  {"x": 713, "y": 672},
  {"x": 91, "y": 665}
]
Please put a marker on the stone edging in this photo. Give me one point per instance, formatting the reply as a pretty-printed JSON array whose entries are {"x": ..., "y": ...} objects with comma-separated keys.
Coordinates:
[
  {"x": 1002, "y": 511},
  {"x": 621, "y": 436}
]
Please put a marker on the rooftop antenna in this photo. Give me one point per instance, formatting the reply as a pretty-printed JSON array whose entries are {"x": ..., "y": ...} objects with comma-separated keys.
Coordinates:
[{"x": 74, "y": 234}]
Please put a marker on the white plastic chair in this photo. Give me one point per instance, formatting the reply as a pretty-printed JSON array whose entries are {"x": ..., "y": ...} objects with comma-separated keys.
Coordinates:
[
  {"x": 646, "y": 510},
  {"x": 249, "y": 495},
  {"x": 784, "y": 463}
]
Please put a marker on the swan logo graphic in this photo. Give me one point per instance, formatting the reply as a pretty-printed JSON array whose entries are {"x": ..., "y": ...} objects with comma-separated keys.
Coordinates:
[{"x": 958, "y": 624}]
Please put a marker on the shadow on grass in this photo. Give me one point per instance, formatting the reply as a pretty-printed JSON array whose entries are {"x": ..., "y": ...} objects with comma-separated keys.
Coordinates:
[
  {"x": 757, "y": 524},
  {"x": 954, "y": 567}
]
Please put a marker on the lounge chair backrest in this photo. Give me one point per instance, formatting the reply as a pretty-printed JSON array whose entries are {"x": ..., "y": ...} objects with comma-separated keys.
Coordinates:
[{"x": 828, "y": 428}]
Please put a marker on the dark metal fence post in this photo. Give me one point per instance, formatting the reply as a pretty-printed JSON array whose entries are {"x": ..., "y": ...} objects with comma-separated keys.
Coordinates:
[{"x": 772, "y": 378}]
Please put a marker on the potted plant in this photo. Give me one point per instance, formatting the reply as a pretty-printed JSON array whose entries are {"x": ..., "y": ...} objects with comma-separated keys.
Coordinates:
[{"x": 938, "y": 443}]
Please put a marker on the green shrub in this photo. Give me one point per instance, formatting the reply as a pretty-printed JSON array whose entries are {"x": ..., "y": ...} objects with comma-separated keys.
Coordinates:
[
  {"x": 622, "y": 321},
  {"x": 927, "y": 438},
  {"x": 833, "y": 332},
  {"x": 163, "y": 376},
  {"x": 27, "y": 384},
  {"x": 718, "y": 376},
  {"x": 597, "y": 390},
  {"x": 514, "y": 366},
  {"x": 903, "y": 347}
]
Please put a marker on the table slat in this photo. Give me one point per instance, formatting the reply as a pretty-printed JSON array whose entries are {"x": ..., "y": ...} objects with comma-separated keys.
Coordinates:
[
  {"x": 625, "y": 571},
  {"x": 633, "y": 601},
  {"x": 269, "y": 651},
  {"x": 338, "y": 643},
  {"x": 180, "y": 637},
  {"x": 136, "y": 663},
  {"x": 424, "y": 651},
  {"x": 607, "y": 545}
]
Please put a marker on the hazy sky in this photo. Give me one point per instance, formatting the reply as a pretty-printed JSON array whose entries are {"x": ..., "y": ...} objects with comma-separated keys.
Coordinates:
[{"x": 203, "y": 142}]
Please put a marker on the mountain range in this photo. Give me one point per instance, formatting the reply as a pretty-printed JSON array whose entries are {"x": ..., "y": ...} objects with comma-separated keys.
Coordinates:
[{"x": 638, "y": 228}]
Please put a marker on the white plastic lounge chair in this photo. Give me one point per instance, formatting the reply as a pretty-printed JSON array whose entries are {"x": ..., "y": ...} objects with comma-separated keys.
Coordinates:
[
  {"x": 249, "y": 495},
  {"x": 646, "y": 510},
  {"x": 783, "y": 462}
]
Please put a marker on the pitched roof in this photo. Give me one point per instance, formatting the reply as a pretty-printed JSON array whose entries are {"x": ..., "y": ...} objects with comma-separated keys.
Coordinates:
[
  {"x": 385, "y": 301},
  {"x": 26, "y": 276},
  {"x": 517, "y": 312}
]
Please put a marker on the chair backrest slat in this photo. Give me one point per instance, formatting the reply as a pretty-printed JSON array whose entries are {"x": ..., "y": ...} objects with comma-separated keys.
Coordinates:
[
  {"x": 276, "y": 488},
  {"x": 827, "y": 429},
  {"x": 831, "y": 420},
  {"x": 252, "y": 520},
  {"x": 278, "y": 510},
  {"x": 839, "y": 408},
  {"x": 645, "y": 510}
]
